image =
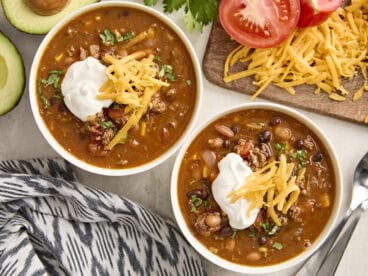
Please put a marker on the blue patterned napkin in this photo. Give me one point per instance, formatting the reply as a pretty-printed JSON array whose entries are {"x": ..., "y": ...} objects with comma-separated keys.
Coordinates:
[{"x": 52, "y": 225}]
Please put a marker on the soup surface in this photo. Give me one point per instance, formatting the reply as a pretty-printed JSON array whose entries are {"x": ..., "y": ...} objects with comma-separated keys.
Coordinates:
[
  {"x": 259, "y": 137},
  {"x": 118, "y": 32}
]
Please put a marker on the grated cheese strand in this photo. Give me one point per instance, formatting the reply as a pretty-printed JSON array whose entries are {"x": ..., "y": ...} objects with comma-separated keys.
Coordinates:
[
  {"x": 320, "y": 56},
  {"x": 132, "y": 81},
  {"x": 273, "y": 182}
]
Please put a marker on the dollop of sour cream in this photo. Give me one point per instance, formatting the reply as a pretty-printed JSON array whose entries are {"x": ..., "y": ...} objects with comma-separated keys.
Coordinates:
[
  {"x": 232, "y": 174},
  {"x": 80, "y": 86}
]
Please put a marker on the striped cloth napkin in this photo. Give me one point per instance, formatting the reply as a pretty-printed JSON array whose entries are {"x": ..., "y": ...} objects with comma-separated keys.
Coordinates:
[{"x": 52, "y": 225}]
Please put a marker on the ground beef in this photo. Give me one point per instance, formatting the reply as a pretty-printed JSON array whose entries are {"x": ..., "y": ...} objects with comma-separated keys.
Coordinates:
[
  {"x": 157, "y": 104},
  {"x": 294, "y": 213},
  {"x": 257, "y": 158}
]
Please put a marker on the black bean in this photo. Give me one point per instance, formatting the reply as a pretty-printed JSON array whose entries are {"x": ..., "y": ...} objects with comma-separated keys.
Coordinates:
[
  {"x": 318, "y": 156},
  {"x": 226, "y": 143},
  {"x": 265, "y": 136},
  {"x": 225, "y": 231},
  {"x": 275, "y": 121},
  {"x": 262, "y": 240},
  {"x": 62, "y": 107},
  {"x": 299, "y": 144},
  {"x": 235, "y": 129},
  {"x": 202, "y": 194}
]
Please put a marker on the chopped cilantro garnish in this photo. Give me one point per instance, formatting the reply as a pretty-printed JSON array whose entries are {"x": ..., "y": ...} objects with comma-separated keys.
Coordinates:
[
  {"x": 280, "y": 148},
  {"x": 198, "y": 13},
  {"x": 109, "y": 38},
  {"x": 273, "y": 230},
  {"x": 277, "y": 245},
  {"x": 44, "y": 100},
  {"x": 167, "y": 72},
  {"x": 54, "y": 79},
  {"x": 265, "y": 225},
  {"x": 106, "y": 124},
  {"x": 188, "y": 82},
  {"x": 206, "y": 204},
  {"x": 301, "y": 155},
  {"x": 196, "y": 202}
]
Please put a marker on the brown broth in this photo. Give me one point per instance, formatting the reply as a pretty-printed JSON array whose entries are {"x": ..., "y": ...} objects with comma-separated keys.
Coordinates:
[
  {"x": 320, "y": 177},
  {"x": 84, "y": 31}
]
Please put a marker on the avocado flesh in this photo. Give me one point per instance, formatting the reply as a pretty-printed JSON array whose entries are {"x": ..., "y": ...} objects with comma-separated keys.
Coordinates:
[
  {"x": 26, "y": 20},
  {"x": 12, "y": 77}
]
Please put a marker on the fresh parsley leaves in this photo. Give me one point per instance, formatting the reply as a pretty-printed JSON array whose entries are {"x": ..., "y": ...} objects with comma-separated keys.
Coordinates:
[
  {"x": 109, "y": 38},
  {"x": 106, "y": 124},
  {"x": 167, "y": 72},
  {"x": 198, "y": 13},
  {"x": 196, "y": 202}
]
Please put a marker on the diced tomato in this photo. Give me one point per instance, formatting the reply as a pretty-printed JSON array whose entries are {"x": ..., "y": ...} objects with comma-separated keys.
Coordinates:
[
  {"x": 314, "y": 12},
  {"x": 259, "y": 23}
]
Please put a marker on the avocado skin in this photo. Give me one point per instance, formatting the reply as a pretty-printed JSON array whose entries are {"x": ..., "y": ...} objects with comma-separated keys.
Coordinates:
[
  {"x": 6, "y": 41},
  {"x": 34, "y": 26}
]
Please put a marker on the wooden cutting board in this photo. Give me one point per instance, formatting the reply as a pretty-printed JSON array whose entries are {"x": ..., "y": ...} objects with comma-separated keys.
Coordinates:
[{"x": 219, "y": 46}]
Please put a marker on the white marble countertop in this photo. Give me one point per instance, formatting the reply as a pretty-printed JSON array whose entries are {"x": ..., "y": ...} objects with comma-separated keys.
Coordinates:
[{"x": 21, "y": 139}]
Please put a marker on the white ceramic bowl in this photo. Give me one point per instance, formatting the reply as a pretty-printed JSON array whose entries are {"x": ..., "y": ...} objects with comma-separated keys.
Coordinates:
[
  {"x": 47, "y": 134},
  {"x": 258, "y": 269}
]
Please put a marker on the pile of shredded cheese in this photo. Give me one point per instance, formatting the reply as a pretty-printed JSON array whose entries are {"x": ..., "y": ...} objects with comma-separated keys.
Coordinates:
[
  {"x": 132, "y": 81},
  {"x": 273, "y": 183},
  {"x": 319, "y": 56}
]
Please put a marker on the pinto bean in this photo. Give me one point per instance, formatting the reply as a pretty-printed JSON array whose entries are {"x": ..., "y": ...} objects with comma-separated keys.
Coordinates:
[
  {"x": 253, "y": 256},
  {"x": 224, "y": 130},
  {"x": 213, "y": 220},
  {"x": 282, "y": 133}
]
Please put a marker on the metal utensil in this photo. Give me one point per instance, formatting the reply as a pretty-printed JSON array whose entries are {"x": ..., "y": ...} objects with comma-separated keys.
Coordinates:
[{"x": 326, "y": 260}]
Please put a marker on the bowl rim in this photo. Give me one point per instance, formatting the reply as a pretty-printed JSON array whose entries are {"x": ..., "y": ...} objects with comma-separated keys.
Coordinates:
[
  {"x": 287, "y": 263},
  {"x": 55, "y": 144}
]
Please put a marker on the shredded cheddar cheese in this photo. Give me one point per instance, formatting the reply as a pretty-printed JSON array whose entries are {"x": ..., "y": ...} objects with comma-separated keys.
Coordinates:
[
  {"x": 319, "y": 56},
  {"x": 132, "y": 81},
  {"x": 273, "y": 182}
]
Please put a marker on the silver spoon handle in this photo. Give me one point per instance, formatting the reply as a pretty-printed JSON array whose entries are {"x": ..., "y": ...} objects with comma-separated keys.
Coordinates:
[
  {"x": 326, "y": 260},
  {"x": 332, "y": 260},
  {"x": 311, "y": 266}
]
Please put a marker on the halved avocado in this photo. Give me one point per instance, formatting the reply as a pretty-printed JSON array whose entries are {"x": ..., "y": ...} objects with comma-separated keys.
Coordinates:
[
  {"x": 12, "y": 78},
  {"x": 26, "y": 20}
]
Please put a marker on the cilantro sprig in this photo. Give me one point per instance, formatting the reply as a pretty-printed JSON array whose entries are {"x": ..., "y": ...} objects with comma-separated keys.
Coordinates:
[
  {"x": 109, "y": 38},
  {"x": 53, "y": 79},
  {"x": 198, "y": 13}
]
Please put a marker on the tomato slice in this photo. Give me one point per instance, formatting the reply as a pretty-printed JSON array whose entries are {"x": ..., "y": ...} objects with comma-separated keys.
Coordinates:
[
  {"x": 259, "y": 23},
  {"x": 314, "y": 12}
]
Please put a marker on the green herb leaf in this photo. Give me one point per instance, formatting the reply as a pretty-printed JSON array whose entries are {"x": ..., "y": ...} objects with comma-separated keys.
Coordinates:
[
  {"x": 198, "y": 13},
  {"x": 108, "y": 38},
  {"x": 280, "y": 148},
  {"x": 173, "y": 5},
  {"x": 44, "y": 100},
  {"x": 167, "y": 72},
  {"x": 157, "y": 58},
  {"x": 125, "y": 37},
  {"x": 191, "y": 23},
  {"x": 273, "y": 230},
  {"x": 53, "y": 79},
  {"x": 206, "y": 204},
  {"x": 301, "y": 155},
  {"x": 196, "y": 201},
  {"x": 277, "y": 245},
  {"x": 204, "y": 11},
  {"x": 265, "y": 225},
  {"x": 106, "y": 124},
  {"x": 150, "y": 2}
]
